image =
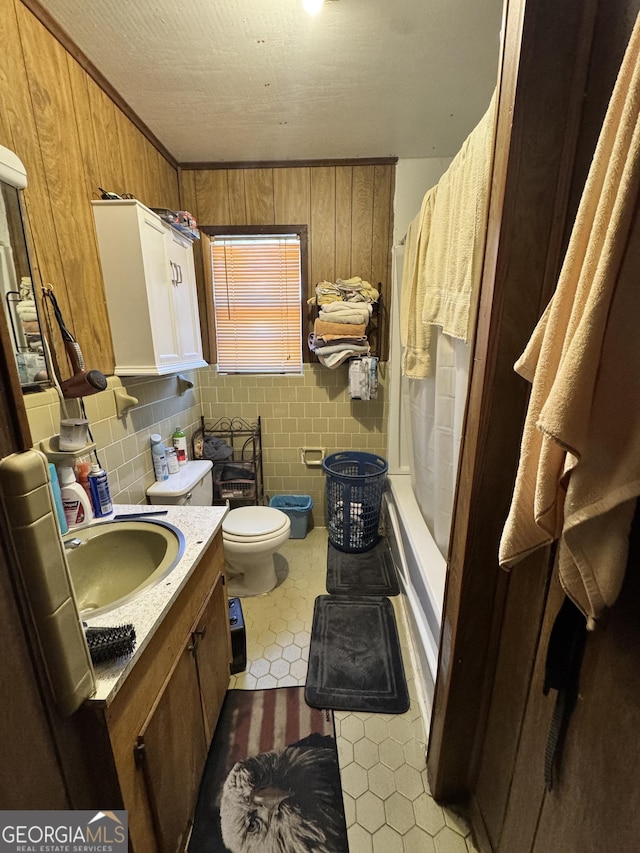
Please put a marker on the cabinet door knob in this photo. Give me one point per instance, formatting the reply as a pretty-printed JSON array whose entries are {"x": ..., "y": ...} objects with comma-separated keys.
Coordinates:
[
  {"x": 201, "y": 632},
  {"x": 193, "y": 647}
]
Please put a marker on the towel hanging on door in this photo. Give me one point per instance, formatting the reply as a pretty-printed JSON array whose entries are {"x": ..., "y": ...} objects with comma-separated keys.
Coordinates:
[{"x": 579, "y": 470}]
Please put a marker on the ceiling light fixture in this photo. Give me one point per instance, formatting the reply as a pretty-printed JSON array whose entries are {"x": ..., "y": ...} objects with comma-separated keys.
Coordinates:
[{"x": 312, "y": 6}]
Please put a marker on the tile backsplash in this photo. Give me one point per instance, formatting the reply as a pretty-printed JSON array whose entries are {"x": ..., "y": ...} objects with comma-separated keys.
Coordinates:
[
  {"x": 310, "y": 410},
  {"x": 123, "y": 443}
]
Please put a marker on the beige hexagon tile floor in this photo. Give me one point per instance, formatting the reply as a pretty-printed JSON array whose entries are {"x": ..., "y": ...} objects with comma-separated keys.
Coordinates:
[{"x": 388, "y": 805}]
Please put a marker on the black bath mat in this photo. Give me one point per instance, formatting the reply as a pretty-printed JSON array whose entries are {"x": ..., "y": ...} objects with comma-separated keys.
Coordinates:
[
  {"x": 272, "y": 773},
  {"x": 355, "y": 663},
  {"x": 370, "y": 573}
]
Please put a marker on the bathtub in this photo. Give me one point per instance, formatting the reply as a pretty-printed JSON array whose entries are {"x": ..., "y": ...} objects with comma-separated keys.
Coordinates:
[{"x": 421, "y": 571}]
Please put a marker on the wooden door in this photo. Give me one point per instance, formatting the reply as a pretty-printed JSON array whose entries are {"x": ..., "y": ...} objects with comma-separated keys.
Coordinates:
[
  {"x": 543, "y": 75},
  {"x": 172, "y": 751},
  {"x": 491, "y": 719},
  {"x": 213, "y": 656}
]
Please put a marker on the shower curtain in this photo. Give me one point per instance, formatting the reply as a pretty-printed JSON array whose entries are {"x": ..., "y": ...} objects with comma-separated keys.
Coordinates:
[
  {"x": 442, "y": 267},
  {"x": 435, "y": 410}
]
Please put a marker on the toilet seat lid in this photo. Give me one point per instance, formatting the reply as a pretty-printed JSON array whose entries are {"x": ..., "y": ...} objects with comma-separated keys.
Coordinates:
[{"x": 254, "y": 521}]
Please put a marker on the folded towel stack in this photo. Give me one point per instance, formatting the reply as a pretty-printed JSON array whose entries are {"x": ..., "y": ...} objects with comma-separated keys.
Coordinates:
[
  {"x": 344, "y": 330},
  {"x": 346, "y": 312},
  {"x": 339, "y": 332},
  {"x": 344, "y": 290}
]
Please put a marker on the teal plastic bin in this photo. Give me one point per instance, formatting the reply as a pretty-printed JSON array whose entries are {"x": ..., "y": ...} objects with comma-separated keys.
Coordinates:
[{"x": 297, "y": 507}]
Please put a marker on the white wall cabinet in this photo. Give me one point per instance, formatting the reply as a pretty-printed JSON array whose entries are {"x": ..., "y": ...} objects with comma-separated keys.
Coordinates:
[{"x": 150, "y": 288}]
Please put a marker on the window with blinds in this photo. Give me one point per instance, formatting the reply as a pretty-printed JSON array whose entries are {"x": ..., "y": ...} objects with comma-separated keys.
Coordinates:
[{"x": 257, "y": 295}]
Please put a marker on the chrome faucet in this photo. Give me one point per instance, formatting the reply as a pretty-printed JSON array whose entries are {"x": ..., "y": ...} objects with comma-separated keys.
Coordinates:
[{"x": 72, "y": 544}]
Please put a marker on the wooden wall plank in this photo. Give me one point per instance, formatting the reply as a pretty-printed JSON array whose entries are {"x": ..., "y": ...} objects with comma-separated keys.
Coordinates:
[
  {"x": 382, "y": 215},
  {"x": 188, "y": 193},
  {"x": 343, "y": 235},
  {"x": 258, "y": 188},
  {"x": 292, "y": 202},
  {"x": 155, "y": 194},
  {"x": 322, "y": 233},
  {"x": 6, "y": 138},
  {"x": 292, "y": 196},
  {"x": 168, "y": 176},
  {"x": 91, "y": 167},
  {"x": 133, "y": 176},
  {"x": 106, "y": 140},
  {"x": 49, "y": 84},
  {"x": 237, "y": 201},
  {"x": 362, "y": 221},
  {"x": 84, "y": 125},
  {"x": 212, "y": 196}
]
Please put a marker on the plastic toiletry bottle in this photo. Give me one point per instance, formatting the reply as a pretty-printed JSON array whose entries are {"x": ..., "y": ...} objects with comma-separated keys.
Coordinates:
[
  {"x": 82, "y": 476},
  {"x": 179, "y": 441},
  {"x": 172, "y": 460},
  {"x": 57, "y": 498},
  {"x": 75, "y": 502},
  {"x": 160, "y": 467},
  {"x": 100, "y": 496}
]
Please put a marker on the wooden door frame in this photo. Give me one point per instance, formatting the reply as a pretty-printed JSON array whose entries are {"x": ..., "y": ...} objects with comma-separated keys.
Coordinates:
[{"x": 543, "y": 72}]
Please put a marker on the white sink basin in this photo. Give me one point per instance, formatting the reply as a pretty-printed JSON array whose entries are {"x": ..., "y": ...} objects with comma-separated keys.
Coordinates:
[{"x": 112, "y": 562}]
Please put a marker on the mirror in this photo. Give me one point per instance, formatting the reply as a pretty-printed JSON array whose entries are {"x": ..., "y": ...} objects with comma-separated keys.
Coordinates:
[{"x": 16, "y": 281}]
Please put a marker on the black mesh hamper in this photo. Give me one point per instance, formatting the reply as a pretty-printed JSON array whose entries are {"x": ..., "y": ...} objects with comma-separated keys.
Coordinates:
[{"x": 355, "y": 482}]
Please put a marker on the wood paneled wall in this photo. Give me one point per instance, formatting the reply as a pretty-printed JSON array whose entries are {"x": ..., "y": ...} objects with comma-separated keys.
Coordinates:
[
  {"x": 72, "y": 139},
  {"x": 348, "y": 209}
]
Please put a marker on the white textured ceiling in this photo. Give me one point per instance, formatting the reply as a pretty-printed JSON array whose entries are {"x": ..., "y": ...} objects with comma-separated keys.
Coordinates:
[{"x": 220, "y": 80}]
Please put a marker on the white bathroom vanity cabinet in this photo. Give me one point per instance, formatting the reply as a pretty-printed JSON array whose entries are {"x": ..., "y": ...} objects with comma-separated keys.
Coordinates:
[{"x": 150, "y": 287}]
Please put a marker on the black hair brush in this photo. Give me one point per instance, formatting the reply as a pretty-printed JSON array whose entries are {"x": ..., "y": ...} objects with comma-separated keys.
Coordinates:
[{"x": 107, "y": 645}]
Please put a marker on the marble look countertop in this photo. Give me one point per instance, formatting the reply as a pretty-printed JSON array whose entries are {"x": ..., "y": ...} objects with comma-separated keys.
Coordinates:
[{"x": 199, "y": 525}]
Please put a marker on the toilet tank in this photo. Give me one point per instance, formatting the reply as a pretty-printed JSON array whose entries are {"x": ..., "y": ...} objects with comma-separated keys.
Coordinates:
[{"x": 191, "y": 486}]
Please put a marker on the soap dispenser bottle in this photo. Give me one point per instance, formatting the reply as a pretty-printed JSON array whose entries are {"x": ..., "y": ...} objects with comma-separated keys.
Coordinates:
[{"x": 75, "y": 501}]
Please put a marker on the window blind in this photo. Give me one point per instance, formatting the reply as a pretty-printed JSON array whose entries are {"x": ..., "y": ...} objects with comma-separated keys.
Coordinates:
[{"x": 257, "y": 303}]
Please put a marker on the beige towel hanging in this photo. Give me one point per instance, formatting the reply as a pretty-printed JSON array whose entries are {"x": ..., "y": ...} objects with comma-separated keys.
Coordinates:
[
  {"x": 414, "y": 334},
  {"x": 453, "y": 264},
  {"x": 579, "y": 471}
]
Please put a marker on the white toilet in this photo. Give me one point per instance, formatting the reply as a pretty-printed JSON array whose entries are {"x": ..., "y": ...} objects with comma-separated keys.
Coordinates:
[{"x": 251, "y": 535}]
